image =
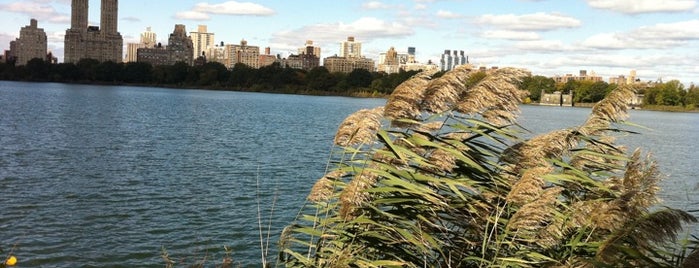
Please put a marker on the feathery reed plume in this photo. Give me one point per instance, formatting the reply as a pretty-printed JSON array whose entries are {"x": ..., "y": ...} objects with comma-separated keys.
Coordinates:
[
  {"x": 535, "y": 215},
  {"x": 640, "y": 183},
  {"x": 497, "y": 96},
  {"x": 354, "y": 195},
  {"x": 359, "y": 128},
  {"x": 444, "y": 92},
  {"x": 323, "y": 188},
  {"x": 443, "y": 160},
  {"x": 404, "y": 102},
  {"x": 529, "y": 187},
  {"x": 611, "y": 109},
  {"x": 537, "y": 150}
]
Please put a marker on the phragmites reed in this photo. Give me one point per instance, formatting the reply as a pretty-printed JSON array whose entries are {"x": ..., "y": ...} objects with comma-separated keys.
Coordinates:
[
  {"x": 354, "y": 195},
  {"x": 443, "y": 160},
  {"x": 610, "y": 110},
  {"x": 359, "y": 128},
  {"x": 533, "y": 216},
  {"x": 496, "y": 97},
  {"x": 529, "y": 187},
  {"x": 404, "y": 102},
  {"x": 535, "y": 152},
  {"x": 324, "y": 188},
  {"x": 444, "y": 92}
]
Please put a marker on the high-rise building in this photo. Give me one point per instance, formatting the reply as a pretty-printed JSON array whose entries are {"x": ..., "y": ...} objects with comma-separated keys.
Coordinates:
[
  {"x": 351, "y": 48},
  {"x": 309, "y": 55},
  {"x": 449, "y": 61},
  {"x": 149, "y": 38},
  {"x": 30, "y": 44},
  {"x": 180, "y": 46},
  {"x": 202, "y": 41},
  {"x": 103, "y": 43},
  {"x": 243, "y": 53}
]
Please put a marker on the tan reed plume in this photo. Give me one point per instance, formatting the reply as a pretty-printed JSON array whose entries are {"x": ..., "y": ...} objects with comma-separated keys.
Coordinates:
[
  {"x": 354, "y": 196},
  {"x": 529, "y": 187},
  {"x": 324, "y": 188},
  {"x": 444, "y": 92},
  {"x": 359, "y": 128},
  {"x": 497, "y": 96},
  {"x": 404, "y": 102},
  {"x": 533, "y": 216}
]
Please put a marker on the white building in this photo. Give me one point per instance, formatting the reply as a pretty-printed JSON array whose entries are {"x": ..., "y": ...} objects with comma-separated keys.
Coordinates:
[{"x": 202, "y": 41}]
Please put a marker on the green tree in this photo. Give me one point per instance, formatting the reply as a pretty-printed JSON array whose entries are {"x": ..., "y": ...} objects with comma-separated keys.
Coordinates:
[
  {"x": 108, "y": 71},
  {"x": 88, "y": 69},
  {"x": 242, "y": 76},
  {"x": 138, "y": 72},
  {"x": 359, "y": 78},
  {"x": 38, "y": 69},
  {"x": 320, "y": 79},
  {"x": 65, "y": 72},
  {"x": 692, "y": 97}
]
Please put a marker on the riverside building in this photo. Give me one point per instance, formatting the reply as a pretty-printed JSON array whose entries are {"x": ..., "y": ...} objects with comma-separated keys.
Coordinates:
[
  {"x": 350, "y": 58},
  {"x": 31, "y": 44},
  {"x": 102, "y": 43},
  {"x": 202, "y": 40}
]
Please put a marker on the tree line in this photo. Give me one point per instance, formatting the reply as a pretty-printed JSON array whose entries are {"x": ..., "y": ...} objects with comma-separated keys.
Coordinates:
[
  {"x": 672, "y": 93},
  {"x": 212, "y": 75},
  {"x": 279, "y": 79}
]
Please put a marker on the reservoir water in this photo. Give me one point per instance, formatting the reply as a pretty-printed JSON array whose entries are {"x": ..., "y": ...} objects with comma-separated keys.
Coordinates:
[{"x": 109, "y": 176}]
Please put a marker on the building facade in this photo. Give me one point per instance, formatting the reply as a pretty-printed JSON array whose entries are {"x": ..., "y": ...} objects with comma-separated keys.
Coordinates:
[
  {"x": 180, "y": 46},
  {"x": 217, "y": 54},
  {"x": 351, "y": 48},
  {"x": 582, "y": 77},
  {"x": 202, "y": 41},
  {"x": 157, "y": 55},
  {"x": 347, "y": 65},
  {"x": 243, "y": 53},
  {"x": 31, "y": 44},
  {"x": 449, "y": 61},
  {"x": 103, "y": 43}
]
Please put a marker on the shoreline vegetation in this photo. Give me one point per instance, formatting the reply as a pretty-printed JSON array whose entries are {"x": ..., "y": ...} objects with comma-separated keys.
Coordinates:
[
  {"x": 669, "y": 97},
  {"x": 441, "y": 177}
]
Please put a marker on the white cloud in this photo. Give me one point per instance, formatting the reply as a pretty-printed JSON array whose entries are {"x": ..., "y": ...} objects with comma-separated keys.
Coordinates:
[
  {"x": 510, "y": 35},
  {"x": 192, "y": 15},
  {"x": 375, "y": 5},
  {"x": 447, "y": 14},
  {"x": 364, "y": 30},
  {"x": 420, "y": 7},
  {"x": 663, "y": 35},
  {"x": 644, "y": 6},
  {"x": 529, "y": 22},
  {"x": 234, "y": 8},
  {"x": 545, "y": 46},
  {"x": 39, "y": 10}
]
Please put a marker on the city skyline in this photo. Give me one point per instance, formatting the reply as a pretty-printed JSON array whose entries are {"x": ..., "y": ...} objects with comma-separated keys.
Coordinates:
[{"x": 658, "y": 39}]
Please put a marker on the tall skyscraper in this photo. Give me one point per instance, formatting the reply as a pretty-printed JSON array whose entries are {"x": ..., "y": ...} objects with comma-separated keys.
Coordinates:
[
  {"x": 180, "y": 46},
  {"x": 449, "y": 61},
  {"x": 30, "y": 44},
  {"x": 202, "y": 40},
  {"x": 149, "y": 38},
  {"x": 351, "y": 48},
  {"x": 103, "y": 43}
]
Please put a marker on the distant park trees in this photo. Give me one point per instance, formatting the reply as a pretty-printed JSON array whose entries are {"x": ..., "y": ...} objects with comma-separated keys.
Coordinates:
[{"x": 211, "y": 75}]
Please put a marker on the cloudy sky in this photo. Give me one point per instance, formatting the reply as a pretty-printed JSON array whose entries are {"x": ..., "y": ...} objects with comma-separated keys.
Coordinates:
[{"x": 658, "y": 38}]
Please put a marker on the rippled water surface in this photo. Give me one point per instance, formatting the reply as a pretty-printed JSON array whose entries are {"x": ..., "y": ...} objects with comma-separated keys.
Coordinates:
[{"x": 94, "y": 176}]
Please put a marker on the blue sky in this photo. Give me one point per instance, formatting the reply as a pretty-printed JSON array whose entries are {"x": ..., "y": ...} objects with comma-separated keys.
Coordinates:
[{"x": 658, "y": 38}]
